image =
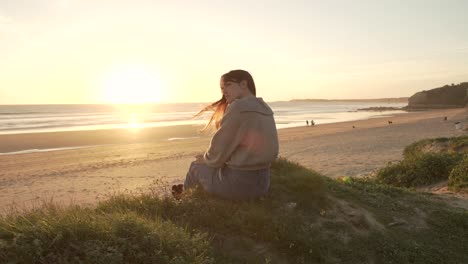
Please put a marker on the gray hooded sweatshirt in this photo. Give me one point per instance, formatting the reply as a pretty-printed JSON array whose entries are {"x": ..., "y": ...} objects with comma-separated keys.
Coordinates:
[{"x": 247, "y": 138}]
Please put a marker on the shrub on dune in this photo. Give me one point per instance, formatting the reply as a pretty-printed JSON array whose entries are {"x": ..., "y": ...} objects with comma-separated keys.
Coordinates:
[
  {"x": 425, "y": 162},
  {"x": 421, "y": 170},
  {"x": 458, "y": 179},
  {"x": 436, "y": 145}
]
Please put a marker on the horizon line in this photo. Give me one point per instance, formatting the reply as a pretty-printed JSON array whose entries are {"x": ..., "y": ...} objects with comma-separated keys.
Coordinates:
[{"x": 155, "y": 103}]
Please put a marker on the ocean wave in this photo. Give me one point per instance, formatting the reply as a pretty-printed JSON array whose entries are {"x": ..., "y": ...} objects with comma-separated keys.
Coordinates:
[{"x": 39, "y": 118}]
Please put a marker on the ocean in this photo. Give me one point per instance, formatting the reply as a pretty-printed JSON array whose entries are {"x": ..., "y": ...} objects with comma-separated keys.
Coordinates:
[{"x": 16, "y": 119}]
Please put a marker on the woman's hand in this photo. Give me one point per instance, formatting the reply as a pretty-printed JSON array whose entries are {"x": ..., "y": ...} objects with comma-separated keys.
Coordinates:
[{"x": 199, "y": 158}]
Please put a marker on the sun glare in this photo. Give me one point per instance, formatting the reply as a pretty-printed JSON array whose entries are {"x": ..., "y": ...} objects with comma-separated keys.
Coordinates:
[
  {"x": 134, "y": 122},
  {"x": 132, "y": 84},
  {"x": 134, "y": 115}
]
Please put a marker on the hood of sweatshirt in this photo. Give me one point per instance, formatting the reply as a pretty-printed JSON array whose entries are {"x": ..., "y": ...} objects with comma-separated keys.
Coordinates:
[{"x": 252, "y": 104}]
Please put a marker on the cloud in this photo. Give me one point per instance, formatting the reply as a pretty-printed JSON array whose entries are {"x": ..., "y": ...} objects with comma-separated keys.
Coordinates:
[
  {"x": 5, "y": 20},
  {"x": 63, "y": 3},
  {"x": 6, "y": 25},
  {"x": 10, "y": 29},
  {"x": 461, "y": 50}
]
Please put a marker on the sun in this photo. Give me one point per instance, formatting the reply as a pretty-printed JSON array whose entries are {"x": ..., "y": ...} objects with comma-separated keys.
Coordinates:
[{"x": 132, "y": 84}]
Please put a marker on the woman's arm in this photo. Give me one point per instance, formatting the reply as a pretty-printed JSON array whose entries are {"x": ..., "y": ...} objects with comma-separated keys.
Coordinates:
[{"x": 225, "y": 140}]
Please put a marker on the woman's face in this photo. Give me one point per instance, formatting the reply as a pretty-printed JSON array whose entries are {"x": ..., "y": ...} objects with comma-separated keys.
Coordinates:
[{"x": 231, "y": 90}]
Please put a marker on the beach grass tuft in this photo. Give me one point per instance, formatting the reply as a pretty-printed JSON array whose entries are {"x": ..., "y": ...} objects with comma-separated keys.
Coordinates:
[
  {"x": 458, "y": 179},
  {"x": 305, "y": 218},
  {"x": 437, "y": 145},
  {"x": 427, "y": 162},
  {"x": 422, "y": 170}
]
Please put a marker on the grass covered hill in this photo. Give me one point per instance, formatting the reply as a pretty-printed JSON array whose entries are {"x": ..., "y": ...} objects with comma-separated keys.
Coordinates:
[
  {"x": 448, "y": 96},
  {"x": 306, "y": 218}
]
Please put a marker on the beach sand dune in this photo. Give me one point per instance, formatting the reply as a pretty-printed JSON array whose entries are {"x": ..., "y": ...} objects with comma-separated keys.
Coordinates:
[{"x": 129, "y": 161}]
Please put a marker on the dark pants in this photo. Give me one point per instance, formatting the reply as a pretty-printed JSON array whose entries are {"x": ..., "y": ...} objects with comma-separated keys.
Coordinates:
[{"x": 229, "y": 183}]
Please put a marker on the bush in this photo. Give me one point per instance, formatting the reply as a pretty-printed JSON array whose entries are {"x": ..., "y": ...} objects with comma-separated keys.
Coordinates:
[
  {"x": 437, "y": 145},
  {"x": 458, "y": 179},
  {"x": 419, "y": 170}
]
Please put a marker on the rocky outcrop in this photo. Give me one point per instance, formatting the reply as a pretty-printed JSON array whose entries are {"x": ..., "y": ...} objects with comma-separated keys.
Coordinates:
[{"x": 448, "y": 96}]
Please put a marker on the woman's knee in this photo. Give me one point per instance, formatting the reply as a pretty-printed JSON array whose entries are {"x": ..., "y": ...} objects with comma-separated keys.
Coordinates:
[
  {"x": 191, "y": 177},
  {"x": 198, "y": 174},
  {"x": 193, "y": 164}
]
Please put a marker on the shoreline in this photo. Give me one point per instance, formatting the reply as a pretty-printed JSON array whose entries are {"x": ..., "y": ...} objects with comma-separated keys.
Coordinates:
[
  {"x": 289, "y": 115},
  {"x": 42, "y": 141},
  {"x": 87, "y": 175},
  {"x": 93, "y": 138}
]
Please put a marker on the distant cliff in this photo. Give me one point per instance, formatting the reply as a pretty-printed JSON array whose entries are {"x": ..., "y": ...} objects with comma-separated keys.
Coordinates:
[{"x": 448, "y": 96}]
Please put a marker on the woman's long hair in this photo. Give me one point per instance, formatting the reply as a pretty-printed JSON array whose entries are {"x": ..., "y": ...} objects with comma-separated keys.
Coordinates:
[{"x": 219, "y": 107}]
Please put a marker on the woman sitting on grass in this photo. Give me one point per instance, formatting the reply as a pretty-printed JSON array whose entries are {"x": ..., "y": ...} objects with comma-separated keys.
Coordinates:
[{"x": 237, "y": 162}]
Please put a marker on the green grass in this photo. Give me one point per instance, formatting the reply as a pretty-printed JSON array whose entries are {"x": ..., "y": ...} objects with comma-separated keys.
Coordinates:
[
  {"x": 75, "y": 235},
  {"x": 426, "y": 162},
  {"x": 424, "y": 169},
  {"x": 305, "y": 218},
  {"x": 458, "y": 179},
  {"x": 437, "y": 145}
]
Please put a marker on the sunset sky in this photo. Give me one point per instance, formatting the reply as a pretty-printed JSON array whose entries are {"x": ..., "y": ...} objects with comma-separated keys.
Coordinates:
[{"x": 109, "y": 51}]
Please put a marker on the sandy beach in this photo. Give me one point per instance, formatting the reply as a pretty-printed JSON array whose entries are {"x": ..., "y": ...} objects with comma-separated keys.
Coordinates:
[{"x": 127, "y": 160}]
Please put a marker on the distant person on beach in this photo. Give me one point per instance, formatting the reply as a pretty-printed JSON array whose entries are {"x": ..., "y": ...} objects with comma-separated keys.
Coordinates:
[
  {"x": 307, "y": 122},
  {"x": 312, "y": 123},
  {"x": 236, "y": 165}
]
